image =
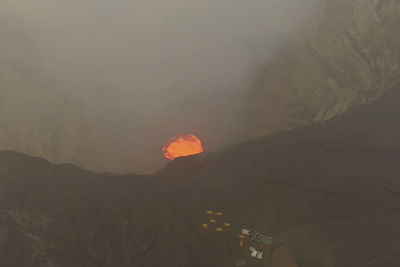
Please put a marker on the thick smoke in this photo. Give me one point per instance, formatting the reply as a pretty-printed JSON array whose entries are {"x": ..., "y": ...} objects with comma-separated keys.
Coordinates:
[{"x": 143, "y": 71}]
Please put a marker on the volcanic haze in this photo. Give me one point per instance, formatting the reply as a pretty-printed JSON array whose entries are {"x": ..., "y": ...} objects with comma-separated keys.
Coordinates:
[{"x": 127, "y": 75}]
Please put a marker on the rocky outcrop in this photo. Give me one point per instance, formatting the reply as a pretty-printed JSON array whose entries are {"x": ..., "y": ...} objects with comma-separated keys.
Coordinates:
[{"x": 349, "y": 55}]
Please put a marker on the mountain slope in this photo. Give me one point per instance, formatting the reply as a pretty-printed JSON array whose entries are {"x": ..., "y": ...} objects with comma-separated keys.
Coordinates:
[
  {"x": 330, "y": 192},
  {"x": 347, "y": 57}
]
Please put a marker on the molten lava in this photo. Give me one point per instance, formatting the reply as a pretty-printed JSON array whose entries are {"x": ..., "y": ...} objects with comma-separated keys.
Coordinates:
[{"x": 184, "y": 145}]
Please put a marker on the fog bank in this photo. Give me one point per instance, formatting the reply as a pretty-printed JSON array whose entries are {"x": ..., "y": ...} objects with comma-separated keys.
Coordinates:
[{"x": 143, "y": 71}]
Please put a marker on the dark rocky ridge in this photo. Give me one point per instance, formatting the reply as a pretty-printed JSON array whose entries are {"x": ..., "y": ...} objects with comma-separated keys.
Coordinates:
[{"x": 331, "y": 192}]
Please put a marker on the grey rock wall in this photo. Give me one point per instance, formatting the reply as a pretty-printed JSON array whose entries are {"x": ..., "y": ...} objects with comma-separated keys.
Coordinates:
[{"x": 349, "y": 55}]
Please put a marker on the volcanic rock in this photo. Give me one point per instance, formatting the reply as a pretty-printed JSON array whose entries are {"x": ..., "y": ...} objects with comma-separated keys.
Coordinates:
[{"x": 327, "y": 194}]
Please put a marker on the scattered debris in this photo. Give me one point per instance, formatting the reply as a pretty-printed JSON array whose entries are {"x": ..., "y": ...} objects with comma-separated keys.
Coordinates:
[{"x": 256, "y": 242}]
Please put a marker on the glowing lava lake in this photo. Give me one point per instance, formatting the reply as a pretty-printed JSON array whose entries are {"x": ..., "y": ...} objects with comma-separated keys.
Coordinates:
[{"x": 182, "y": 145}]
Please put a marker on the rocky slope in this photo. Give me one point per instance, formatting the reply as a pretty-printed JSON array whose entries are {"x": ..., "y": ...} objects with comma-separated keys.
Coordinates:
[
  {"x": 348, "y": 56},
  {"x": 329, "y": 192}
]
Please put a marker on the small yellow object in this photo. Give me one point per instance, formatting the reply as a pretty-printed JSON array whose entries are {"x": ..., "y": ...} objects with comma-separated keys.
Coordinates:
[
  {"x": 219, "y": 229},
  {"x": 204, "y": 225},
  {"x": 218, "y": 213},
  {"x": 241, "y": 236},
  {"x": 213, "y": 221},
  {"x": 241, "y": 243},
  {"x": 209, "y": 212},
  {"x": 227, "y": 224}
]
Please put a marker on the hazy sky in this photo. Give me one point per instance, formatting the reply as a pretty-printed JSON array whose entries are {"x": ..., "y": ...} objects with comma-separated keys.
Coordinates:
[{"x": 151, "y": 69}]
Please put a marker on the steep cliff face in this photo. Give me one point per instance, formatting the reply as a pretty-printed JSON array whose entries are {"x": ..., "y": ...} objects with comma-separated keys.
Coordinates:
[
  {"x": 348, "y": 56},
  {"x": 38, "y": 121},
  {"x": 42, "y": 121}
]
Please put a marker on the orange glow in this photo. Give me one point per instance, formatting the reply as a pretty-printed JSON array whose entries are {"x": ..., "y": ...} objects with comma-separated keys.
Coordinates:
[{"x": 180, "y": 146}]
